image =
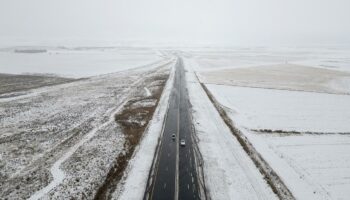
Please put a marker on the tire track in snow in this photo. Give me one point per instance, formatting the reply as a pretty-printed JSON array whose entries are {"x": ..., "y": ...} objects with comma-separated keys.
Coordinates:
[{"x": 57, "y": 173}]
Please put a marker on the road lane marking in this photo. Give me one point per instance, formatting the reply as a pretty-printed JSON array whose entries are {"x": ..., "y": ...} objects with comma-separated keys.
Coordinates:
[{"x": 177, "y": 140}]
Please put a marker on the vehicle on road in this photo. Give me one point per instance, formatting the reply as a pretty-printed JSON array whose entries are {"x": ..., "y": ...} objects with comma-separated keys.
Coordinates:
[
  {"x": 173, "y": 136},
  {"x": 182, "y": 142}
]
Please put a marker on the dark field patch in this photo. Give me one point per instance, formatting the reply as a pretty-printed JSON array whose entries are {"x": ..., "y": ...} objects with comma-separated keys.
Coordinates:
[{"x": 17, "y": 83}]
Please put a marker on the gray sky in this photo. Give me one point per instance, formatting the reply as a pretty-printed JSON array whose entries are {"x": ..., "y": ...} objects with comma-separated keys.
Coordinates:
[{"x": 221, "y": 22}]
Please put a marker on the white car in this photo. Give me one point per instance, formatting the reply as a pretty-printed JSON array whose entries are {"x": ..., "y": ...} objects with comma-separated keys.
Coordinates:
[
  {"x": 173, "y": 136},
  {"x": 182, "y": 142}
]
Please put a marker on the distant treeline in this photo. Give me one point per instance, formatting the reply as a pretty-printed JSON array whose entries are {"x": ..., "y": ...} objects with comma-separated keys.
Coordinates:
[{"x": 30, "y": 51}]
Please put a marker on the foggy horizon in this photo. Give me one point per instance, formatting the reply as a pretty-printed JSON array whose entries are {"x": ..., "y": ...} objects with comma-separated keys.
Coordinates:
[{"x": 156, "y": 22}]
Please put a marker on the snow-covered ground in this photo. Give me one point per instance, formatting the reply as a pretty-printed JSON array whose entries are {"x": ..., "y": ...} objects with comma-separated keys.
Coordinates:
[
  {"x": 229, "y": 173},
  {"x": 257, "y": 108},
  {"x": 63, "y": 139},
  {"x": 291, "y": 103},
  {"x": 75, "y": 62},
  {"x": 294, "y": 112},
  {"x": 284, "y": 77},
  {"x": 313, "y": 165},
  {"x": 209, "y": 59}
]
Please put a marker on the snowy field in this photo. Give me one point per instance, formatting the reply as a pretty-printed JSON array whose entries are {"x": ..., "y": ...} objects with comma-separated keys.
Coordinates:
[
  {"x": 312, "y": 166},
  {"x": 294, "y": 108},
  {"x": 75, "y": 62},
  {"x": 283, "y": 77},
  {"x": 209, "y": 59},
  {"x": 270, "y": 109},
  {"x": 304, "y": 136},
  {"x": 60, "y": 141}
]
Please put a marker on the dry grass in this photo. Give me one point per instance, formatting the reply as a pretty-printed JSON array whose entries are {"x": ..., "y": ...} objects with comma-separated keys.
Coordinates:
[{"x": 133, "y": 121}]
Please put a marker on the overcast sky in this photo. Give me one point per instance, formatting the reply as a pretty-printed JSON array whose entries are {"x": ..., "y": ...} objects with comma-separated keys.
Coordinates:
[{"x": 221, "y": 22}]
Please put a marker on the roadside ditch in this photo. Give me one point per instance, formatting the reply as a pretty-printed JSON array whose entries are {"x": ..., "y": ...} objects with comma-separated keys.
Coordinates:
[{"x": 272, "y": 179}]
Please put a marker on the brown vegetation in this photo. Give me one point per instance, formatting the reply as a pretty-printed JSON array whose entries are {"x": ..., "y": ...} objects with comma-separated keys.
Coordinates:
[{"x": 133, "y": 121}]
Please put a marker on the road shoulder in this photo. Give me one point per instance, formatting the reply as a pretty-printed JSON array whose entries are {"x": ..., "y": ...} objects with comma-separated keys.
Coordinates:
[{"x": 134, "y": 181}]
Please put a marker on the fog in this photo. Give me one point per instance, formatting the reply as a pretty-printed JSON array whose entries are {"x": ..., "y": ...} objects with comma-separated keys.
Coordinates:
[{"x": 180, "y": 22}]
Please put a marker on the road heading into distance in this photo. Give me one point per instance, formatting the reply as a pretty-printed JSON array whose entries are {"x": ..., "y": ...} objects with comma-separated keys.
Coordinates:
[{"x": 175, "y": 174}]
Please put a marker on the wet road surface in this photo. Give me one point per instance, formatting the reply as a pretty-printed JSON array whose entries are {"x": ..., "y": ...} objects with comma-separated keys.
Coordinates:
[{"x": 175, "y": 175}]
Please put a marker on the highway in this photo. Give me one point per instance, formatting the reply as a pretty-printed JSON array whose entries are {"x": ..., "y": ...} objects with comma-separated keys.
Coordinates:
[{"x": 175, "y": 175}]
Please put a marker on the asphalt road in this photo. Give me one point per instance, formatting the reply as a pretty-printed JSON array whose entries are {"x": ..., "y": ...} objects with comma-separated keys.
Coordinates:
[{"x": 175, "y": 174}]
